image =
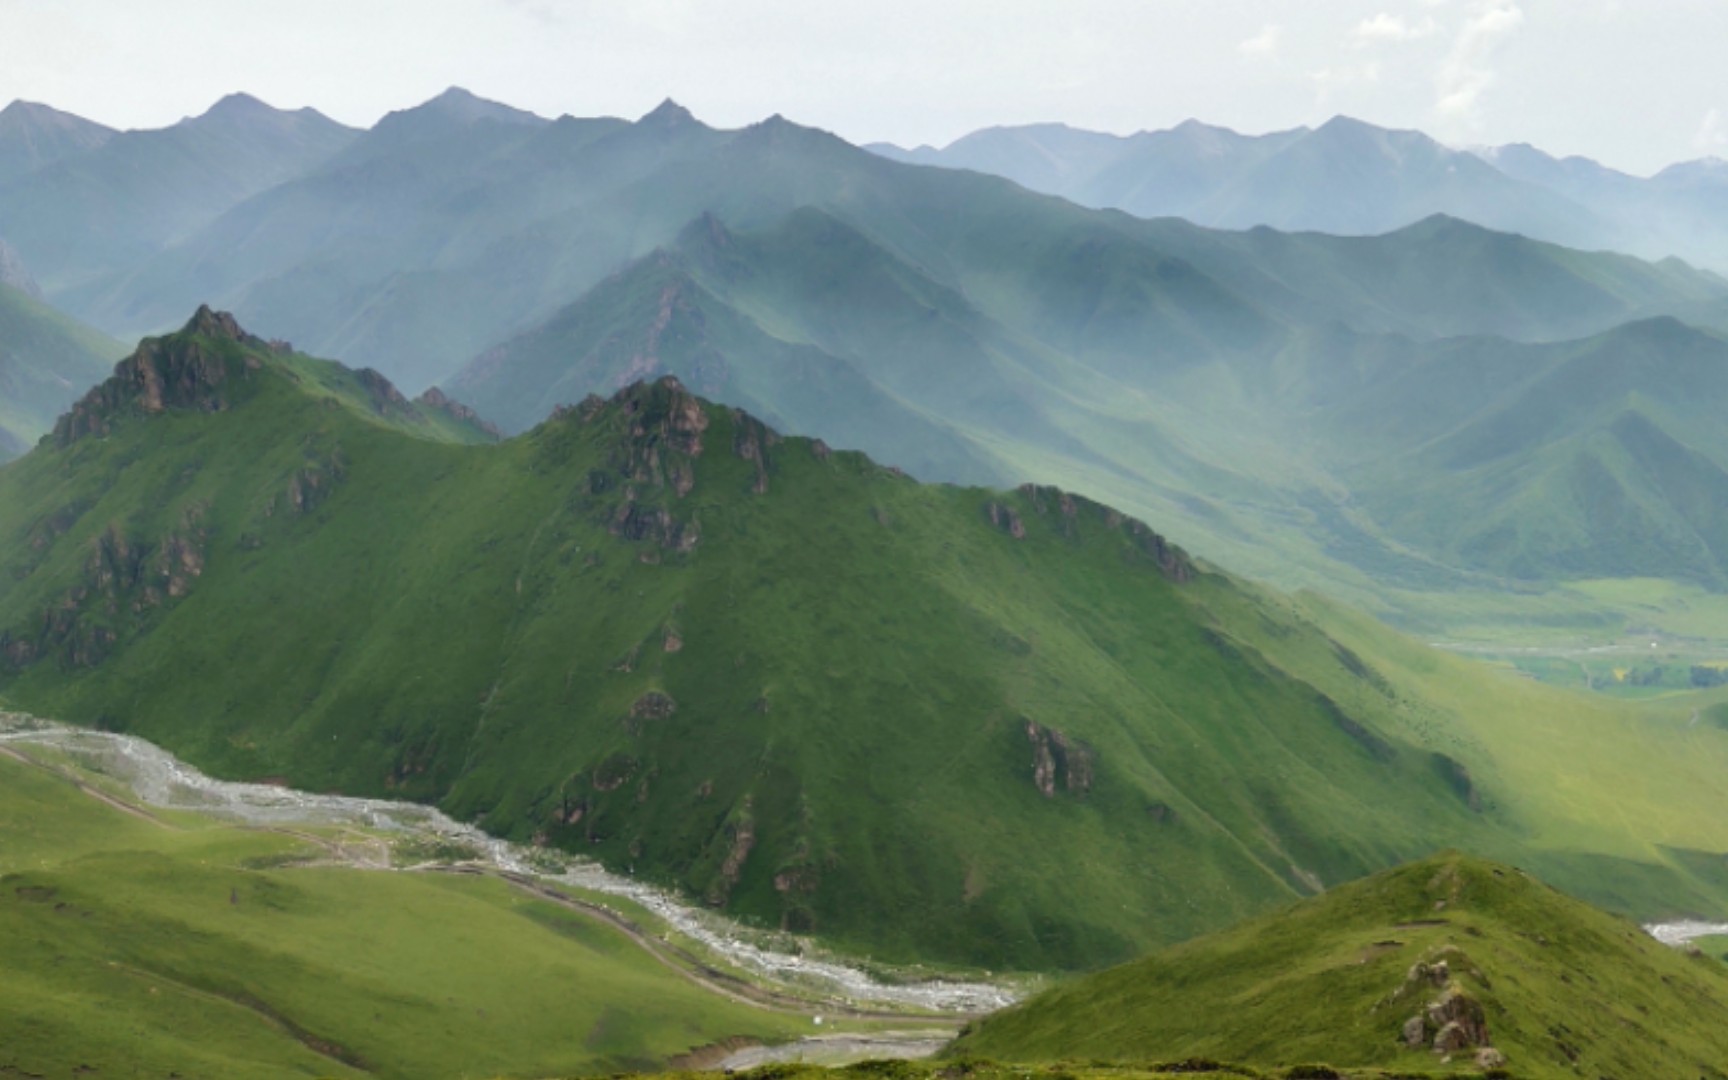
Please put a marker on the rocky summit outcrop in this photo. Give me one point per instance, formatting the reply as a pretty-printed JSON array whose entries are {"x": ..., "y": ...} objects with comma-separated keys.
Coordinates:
[
  {"x": 1062, "y": 511},
  {"x": 658, "y": 433},
  {"x": 436, "y": 400},
  {"x": 197, "y": 369}
]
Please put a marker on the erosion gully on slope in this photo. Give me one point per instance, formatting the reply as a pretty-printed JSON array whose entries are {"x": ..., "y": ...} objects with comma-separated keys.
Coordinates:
[{"x": 161, "y": 780}]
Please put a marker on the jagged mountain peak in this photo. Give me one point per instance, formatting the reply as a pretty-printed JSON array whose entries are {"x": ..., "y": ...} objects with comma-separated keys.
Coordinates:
[
  {"x": 668, "y": 114},
  {"x": 217, "y": 324},
  {"x": 461, "y": 106},
  {"x": 175, "y": 372}
]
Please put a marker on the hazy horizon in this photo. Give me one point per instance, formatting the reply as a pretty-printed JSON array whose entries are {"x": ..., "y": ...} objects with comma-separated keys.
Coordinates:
[{"x": 1558, "y": 74}]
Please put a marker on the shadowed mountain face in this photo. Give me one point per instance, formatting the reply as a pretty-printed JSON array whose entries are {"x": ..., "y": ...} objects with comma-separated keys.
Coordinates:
[
  {"x": 87, "y": 216},
  {"x": 34, "y": 136},
  {"x": 46, "y": 361}
]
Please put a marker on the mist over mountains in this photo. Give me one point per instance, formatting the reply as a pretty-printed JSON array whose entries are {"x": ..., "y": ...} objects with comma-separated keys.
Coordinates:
[
  {"x": 1350, "y": 177},
  {"x": 932, "y": 563},
  {"x": 1240, "y": 384}
]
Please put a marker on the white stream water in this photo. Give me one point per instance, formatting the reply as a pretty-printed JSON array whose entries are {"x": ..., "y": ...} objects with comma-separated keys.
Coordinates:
[
  {"x": 157, "y": 778},
  {"x": 1685, "y": 931}
]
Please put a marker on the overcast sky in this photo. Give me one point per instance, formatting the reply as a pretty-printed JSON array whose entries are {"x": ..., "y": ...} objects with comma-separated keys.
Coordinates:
[{"x": 1635, "y": 83}]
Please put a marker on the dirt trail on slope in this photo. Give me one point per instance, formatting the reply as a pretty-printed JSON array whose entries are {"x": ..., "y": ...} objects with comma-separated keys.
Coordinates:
[{"x": 94, "y": 792}]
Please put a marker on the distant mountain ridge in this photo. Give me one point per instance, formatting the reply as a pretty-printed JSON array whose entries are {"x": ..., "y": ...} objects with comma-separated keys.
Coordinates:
[
  {"x": 92, "y": 212},
  {"x": 1353, "y": 178},
  {"x": 33, "y": 136}
]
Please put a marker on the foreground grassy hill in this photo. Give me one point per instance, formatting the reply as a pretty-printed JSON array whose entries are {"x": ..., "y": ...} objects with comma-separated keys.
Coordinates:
[
  {"x": 1002, "y": 728},
  {"x": 1448, "y": 958},
  {"x": 160, "y": 944},
  {"x": 46, "y": 361}
]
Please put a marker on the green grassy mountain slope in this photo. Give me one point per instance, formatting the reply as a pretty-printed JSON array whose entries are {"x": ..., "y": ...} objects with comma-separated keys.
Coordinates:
[
  {"x": 1449, "y": 951},
  {"x": 1273, "y": 437},
  {"x": 1445, "y": 277},
  {"x": 167, "y": 943},
  {"x": 46, "y": 361},
  {"x": 656, "y": 632},
  {"x": 1014, "y": 729},
  {"x": 1592, "y": 459}
]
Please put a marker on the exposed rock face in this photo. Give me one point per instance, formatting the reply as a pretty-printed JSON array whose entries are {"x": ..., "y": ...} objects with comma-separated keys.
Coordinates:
[
  {"x": 382, "y": 393},
  {"x": 122, "y": 579},
  {"x": 1415, "y": 1033},
  {"x": 1055, "y": 755},
  {"x": 166, "y": 373},
  {"x": 438, "y": 401},
  {"x": 1458, "y": 1020},
  {"x": 1006, "y": 519},
  {"x": 310, "y": 487},
  {"x": 1063, "y": 511},
  {"x": 751, "y": 440},
  {"x": 662, "y": 431},
  {"x": 1452, "y": 1022},
  {"x": 741, "y": 840},
  {"x": 653, "y": 706}
]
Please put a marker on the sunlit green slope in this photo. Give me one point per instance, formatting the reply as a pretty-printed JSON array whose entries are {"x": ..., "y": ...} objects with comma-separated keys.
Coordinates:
[
  {"x": 170, "y": 944},
  {"x": 1447, "y": 960}
]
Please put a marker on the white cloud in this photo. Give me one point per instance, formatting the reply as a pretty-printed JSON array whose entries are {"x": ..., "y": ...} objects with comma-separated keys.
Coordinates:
[
  {"x": 1386, "y": 28},
  {"x": 1265, "y": 43},
  {"x": 1712, "y": 135},
  {"x": 1468, "y": 70}
]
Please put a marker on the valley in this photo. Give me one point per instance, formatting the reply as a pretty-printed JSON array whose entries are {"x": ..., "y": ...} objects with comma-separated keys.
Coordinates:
[{"x": 490, "y": 591}]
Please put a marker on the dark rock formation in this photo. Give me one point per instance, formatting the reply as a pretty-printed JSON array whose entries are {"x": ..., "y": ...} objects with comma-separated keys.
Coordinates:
[
  {"x": 438, "y": 401},
  {"x": 1056, "y": 754},
  {"x": 193, "y": 372}
]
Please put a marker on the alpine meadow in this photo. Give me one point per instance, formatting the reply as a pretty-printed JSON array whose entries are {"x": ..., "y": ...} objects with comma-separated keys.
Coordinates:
[{"x": 981, "y": 577}]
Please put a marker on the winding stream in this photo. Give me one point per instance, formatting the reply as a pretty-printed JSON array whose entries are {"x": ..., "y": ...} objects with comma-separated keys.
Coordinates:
[{"x": 159, "y": 779}]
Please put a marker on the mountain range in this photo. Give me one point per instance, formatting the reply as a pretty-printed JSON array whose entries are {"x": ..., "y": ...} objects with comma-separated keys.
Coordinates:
[
  {"x": 1013, "y": 728},
  {"x": 1350, "y": 177},
  {"x": 1245, "y": 389}
]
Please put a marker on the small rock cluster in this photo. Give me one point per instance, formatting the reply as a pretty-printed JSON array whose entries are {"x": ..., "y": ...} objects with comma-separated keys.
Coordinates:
[{"x": 1452, "y": 1023}]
